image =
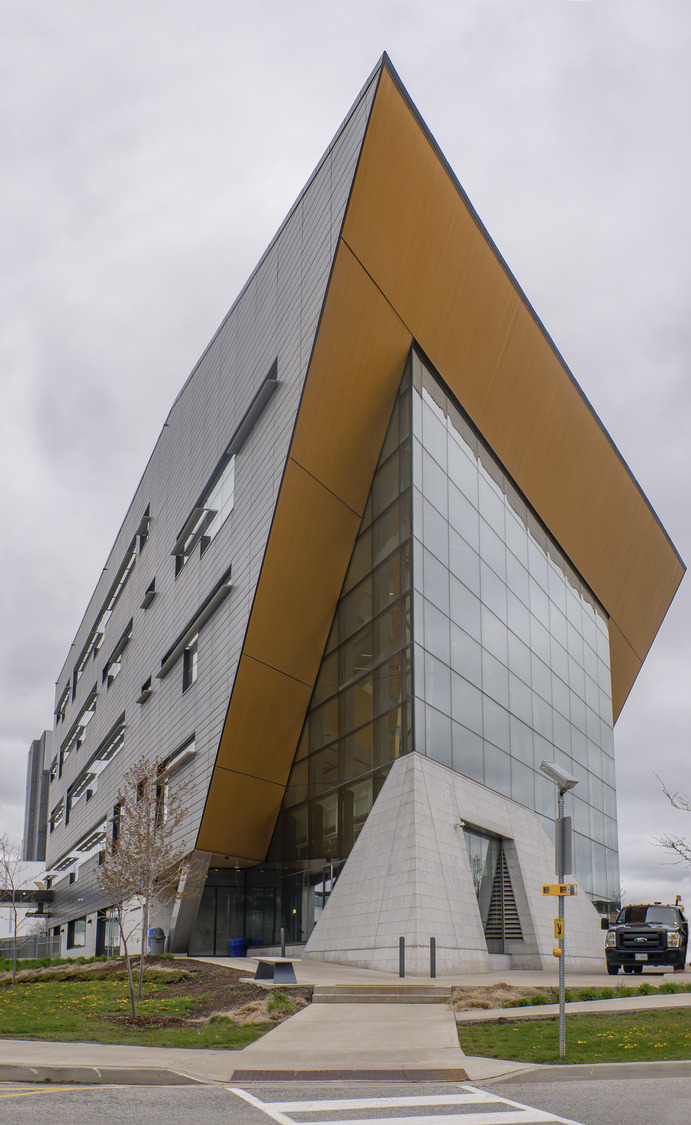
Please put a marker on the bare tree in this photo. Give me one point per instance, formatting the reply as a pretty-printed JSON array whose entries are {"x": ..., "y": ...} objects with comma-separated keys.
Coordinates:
[
  {"x": 115, "y": 878},
  {"x": 678, "y": 846},
  {"x": 144, "y": 859},
  {"x": 12, "y": 876}
]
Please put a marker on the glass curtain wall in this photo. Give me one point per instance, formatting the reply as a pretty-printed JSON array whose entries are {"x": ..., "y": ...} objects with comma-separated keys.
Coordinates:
[
  {"x": 509, "y": 666},
  {"x": 511, "y": 660},
  {"x": 359, "y": 718},
  {"x": 358, "y": 723}
]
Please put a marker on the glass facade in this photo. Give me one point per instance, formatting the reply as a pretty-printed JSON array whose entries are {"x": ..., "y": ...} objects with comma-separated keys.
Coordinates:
[
  {"x": 359, "y": 721},
  {"x": 511, "y": 655},
  {"x": 360, "y": 718},
  {"x": 462, "y": 632}
]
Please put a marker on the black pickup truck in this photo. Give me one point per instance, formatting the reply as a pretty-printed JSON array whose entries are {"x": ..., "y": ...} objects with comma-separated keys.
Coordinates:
[{"x": 647, "y": 934}]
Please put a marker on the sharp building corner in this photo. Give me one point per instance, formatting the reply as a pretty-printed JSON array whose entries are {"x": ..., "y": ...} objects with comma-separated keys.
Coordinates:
[{"x": 383, "y": 560}]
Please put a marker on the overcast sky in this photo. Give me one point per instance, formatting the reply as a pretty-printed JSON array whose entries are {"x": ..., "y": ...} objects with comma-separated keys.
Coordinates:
[{"x": 150, "y": 150}]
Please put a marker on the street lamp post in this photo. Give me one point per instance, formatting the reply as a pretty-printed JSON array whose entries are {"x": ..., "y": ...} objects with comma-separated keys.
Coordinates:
[{"x": 563, "y": 781}]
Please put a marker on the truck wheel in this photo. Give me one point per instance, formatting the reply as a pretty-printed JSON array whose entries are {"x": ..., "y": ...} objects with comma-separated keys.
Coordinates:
[
  {"x": 628, "y": 968},
  {"x": 638, "y": 969},
  {"x": 612, "y": 970}
]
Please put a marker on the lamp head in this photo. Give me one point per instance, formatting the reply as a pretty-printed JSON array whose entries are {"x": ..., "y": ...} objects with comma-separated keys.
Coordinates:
[{"x": 559, "y": 776}]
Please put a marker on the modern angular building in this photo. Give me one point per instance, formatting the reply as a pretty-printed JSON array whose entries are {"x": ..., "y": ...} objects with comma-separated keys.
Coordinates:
[
  {"x": 383, "y": 561},
  {"x": 37, "y": 798}
]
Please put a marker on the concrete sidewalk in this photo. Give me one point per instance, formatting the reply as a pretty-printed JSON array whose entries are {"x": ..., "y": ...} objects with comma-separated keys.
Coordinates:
[
  {"x": 585, "y": 1007},
  {"x": 356, "y": 1042},
  {"x": 410, "y": 1042},
  {"x": 327, "y": 972},
  {"x": 327, "y": 1042}
]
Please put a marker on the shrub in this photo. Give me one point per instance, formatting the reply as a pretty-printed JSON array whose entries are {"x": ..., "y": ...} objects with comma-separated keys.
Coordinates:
[
  {"x": 27, "y": 963},
  {"x": 279, "y": 1002}
]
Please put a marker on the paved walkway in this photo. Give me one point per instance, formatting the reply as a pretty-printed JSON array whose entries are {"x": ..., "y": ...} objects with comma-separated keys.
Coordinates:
[
  {"x": 398, "y": 1042},
  {"x": 325, "y": 972}
]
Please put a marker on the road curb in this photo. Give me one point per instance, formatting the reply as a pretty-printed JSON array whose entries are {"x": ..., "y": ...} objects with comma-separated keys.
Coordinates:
[
  {"x": 672, "y": 1068},
  {"x": 98, "y": 1075}
]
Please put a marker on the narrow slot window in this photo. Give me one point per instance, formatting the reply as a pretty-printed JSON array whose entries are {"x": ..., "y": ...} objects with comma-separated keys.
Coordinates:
[{"x": 189, "y": 664}]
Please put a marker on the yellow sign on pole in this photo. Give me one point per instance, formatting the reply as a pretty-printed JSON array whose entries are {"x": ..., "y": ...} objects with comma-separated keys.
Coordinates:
[
  {"x": 559, "y": 927},
  {"x": 560, "y": 889}
]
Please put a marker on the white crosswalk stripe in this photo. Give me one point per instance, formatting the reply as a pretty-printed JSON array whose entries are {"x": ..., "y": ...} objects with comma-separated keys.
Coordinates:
[
  {"x": 502, "y": 1111},
  {"x": 382, "y": 1103}
]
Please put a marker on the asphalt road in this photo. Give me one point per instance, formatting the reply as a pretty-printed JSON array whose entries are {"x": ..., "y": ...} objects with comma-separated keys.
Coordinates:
[
  {"x": 619, "y": 1101},
  {"x": 650, "y": 1101}
]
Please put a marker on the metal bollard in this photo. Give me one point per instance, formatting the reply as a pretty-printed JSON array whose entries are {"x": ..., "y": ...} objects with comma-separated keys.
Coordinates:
[
  {"x": 401, "y": 956},
  {"x": 283, "y": 941},
  {"x": 433, "y": 957}
]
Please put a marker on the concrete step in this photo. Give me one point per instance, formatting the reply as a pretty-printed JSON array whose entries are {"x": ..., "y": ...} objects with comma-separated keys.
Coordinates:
[
  {"x": 367, "y": 998},
  {"x": 388, "y": 987},
  {"x": 381, "y": 994}
]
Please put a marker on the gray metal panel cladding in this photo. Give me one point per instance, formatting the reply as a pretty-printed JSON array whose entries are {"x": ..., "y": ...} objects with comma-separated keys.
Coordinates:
[{"x": 274, "y": 318}]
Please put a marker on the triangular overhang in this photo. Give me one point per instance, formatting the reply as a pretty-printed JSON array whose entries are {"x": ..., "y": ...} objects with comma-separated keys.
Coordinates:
[{"x": 414, "y": 263}]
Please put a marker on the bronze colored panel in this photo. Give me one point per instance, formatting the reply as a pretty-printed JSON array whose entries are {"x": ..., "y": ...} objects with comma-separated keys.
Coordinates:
[
  {"x": 309, "y": 547},
  {"x": 412, "y": 230},
  {"x": 266, "y": 708},
  {"x": 239, "y": 816},
  {"x": 225, "y": 860},
  {"x": 357, "y": 365},
  {"x": 356, "y": 369},
  {"x": 418, "y": 265},
  {"x": 625, "y": 665}
]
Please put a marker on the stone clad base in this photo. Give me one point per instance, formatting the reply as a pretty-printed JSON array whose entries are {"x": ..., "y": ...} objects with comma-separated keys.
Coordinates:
[{"x": 409, "y": 876}]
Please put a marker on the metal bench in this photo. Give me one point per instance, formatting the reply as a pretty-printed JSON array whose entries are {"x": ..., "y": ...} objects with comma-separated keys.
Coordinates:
[{"x": 278, "y": 970}]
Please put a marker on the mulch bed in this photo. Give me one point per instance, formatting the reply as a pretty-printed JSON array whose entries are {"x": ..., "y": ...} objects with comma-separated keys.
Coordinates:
[{"x": 214, "y": 988}]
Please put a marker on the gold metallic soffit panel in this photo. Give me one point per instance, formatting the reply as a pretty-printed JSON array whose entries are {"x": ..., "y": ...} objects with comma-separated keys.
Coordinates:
[
  {"x": 412, "y": 230},
  {"x": 353, "y": 379},
  {"x": 416, "y": 264},
  {"x": 236, "y": 799}
]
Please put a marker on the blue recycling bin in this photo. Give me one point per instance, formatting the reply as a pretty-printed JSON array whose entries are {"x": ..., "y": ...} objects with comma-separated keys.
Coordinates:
[
  {"x": 236, "y": 947},
  {"x": 157, "y": 940}
]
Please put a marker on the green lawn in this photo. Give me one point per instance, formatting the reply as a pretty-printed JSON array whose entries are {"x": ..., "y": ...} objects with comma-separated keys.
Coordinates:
[
  {"x": 74, "y": 1010},
  {"x": 610, "y": 1037}
]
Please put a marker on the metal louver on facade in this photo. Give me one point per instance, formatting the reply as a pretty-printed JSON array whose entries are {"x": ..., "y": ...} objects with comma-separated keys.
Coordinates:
[{"x": 503, "y": 923}]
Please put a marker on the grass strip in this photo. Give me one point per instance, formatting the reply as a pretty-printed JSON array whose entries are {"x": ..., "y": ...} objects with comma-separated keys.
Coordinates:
[
  {"x": 613, "y": 1037},
  {"x": 76, "y": 1010}
]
